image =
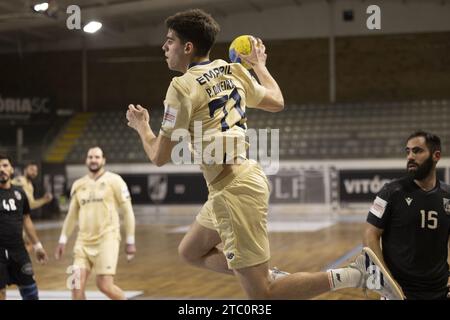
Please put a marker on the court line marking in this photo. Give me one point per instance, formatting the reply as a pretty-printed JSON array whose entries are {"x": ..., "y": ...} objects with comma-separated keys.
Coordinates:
[
  {"x": 48, "y": 225},
  {"x": 338, "y": 262}
]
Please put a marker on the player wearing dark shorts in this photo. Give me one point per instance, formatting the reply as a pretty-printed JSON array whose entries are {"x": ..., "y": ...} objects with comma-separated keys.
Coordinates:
[{"x": 15, "y": 263}]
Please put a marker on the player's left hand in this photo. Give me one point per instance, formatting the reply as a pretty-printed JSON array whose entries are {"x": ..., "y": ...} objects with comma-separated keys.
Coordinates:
[
  {"x": 48, "y": 197},
  {"x": 130, "y": 250},
  {"x": 138, "y": 117},
  {"x": 257, "y": 57},
  {"x": 41, "y": 256}
]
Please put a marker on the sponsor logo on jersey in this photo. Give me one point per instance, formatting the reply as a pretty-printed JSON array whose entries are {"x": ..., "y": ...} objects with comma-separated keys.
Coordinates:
[
  {"x": 125, "y": 192},
  {"x": 408, "y": 200},
  {"x": 18, "y": 195},
  {"x": 213, "y": 74},
  {"x": 378, "y": 207},
  {"x": 230, "y": 255},
  {"x": 170, "y": 117},
  {"x": 90, "y": 200}
]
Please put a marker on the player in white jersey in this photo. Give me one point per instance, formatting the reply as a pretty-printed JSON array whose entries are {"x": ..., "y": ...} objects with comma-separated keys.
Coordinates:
[{"x": 211, "y": 97}]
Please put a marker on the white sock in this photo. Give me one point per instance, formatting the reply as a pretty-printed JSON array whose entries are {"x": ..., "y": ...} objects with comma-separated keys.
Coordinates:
[
  {"x": 276, "y": 274},
  {"x": 344, "y": 278}
]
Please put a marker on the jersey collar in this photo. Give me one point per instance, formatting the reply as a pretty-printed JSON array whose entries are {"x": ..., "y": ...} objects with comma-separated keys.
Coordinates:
[
  {"x": 98, "y": 178},
  {"x": 193, "y": 64},
  {"x": 436, "y": 187}
]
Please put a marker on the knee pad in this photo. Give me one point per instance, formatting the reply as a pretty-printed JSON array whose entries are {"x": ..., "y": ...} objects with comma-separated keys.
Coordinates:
[{"x": 29, "y": 292}]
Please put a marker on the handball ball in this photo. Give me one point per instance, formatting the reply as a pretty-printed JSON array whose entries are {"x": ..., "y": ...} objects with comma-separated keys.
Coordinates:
[{"x": 242, "y": 45}]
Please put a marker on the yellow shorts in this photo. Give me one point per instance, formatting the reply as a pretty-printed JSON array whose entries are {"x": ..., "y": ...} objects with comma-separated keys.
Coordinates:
[
  {"x": 237, "y": 209},
  {"x": 101, "y": 257}
]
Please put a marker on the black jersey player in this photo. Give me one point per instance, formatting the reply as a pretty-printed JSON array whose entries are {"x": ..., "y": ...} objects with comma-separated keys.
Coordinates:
[
  {"x": 411, "y": 215},
  {"x": 15, "y": 264}
]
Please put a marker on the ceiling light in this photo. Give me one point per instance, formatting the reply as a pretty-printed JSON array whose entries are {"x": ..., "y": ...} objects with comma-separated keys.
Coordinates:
[
  {"x": 41, "y": 7},
  {"x": 92, "y": 27}
]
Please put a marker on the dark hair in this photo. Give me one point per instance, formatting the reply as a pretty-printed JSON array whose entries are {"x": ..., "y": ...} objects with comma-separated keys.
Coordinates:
[
  {"x": 195, "y": 26},
  {"x": 94, "y": 147},
  {"x": 5, "y": 157},
  {"x": 433, "y": 141},
  {"x": 30, "y": 163}
]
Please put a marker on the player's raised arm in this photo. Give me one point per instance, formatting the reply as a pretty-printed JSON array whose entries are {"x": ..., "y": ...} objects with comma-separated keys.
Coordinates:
[{"x": 273, "y": 100}]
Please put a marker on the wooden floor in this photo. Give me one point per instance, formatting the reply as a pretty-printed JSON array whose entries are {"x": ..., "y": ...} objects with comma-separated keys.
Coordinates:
[{"x": 159, "y": 273}]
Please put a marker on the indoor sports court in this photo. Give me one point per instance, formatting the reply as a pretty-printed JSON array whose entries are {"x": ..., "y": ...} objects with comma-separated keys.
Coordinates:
[{"x": 357, "y": 79}]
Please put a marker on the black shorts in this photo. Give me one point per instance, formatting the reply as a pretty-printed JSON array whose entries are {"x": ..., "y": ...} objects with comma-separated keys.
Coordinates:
[{"x": 15, "y": 268}]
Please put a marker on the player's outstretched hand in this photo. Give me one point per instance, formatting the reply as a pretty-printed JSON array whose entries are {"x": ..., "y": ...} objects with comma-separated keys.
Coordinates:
[
  {"x": 130, "y": 250},
  {"x": 41, "y": 256},
  {"x": 48, "y": 197},
  {"x": 257, "y": 56},
  {"x": 138, "y": 117}
]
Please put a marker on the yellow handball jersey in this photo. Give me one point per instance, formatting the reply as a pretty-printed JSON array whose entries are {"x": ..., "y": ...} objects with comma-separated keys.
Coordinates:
[
  {"x": 95, "y": 206},
  {"x": 29, "y": 191},
  {"x": 209, "y": 101}
]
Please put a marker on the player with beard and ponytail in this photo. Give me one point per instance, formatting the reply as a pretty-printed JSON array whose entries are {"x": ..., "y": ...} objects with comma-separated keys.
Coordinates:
[
  {"x": 411, "y": 217},
  {"x": 96, "y": 200}
]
